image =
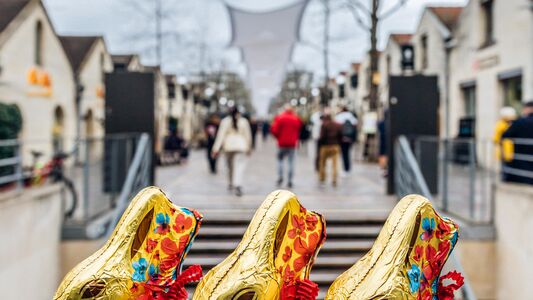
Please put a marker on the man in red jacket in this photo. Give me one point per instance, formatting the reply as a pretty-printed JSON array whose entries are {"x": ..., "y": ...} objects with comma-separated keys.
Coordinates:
[{"x": 286, "y": 128}]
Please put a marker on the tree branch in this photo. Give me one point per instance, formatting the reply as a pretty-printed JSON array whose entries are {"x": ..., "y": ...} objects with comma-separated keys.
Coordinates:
[
  {"x": 393, "y": 9},
  {"x": 359, "y": 5},
  {"x": 355, "y": 12}
]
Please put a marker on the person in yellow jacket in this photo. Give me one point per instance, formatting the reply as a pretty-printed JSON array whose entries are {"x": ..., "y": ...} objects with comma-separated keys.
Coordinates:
[{"x": 504, "y": 149}]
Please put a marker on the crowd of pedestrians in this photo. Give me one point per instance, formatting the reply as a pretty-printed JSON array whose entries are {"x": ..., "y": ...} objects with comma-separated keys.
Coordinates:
[{"x": 332, "y": 136}]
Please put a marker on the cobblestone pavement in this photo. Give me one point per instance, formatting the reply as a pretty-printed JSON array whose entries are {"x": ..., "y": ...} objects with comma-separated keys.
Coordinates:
[{"x": 191, "y": 184}]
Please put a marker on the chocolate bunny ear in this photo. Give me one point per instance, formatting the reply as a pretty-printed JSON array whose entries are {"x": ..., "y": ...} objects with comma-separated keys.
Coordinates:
[
  {"x": 406, "y": 259},
  {"x": 275, "y": 256},
  {"x": 143, "y": 255}
]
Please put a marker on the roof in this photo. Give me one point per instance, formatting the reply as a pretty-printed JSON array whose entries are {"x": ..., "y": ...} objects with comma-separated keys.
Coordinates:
[
  {"x": 401, "y": 38},
  {"x": 448, "y": 15},
  {"x": 77, "y": 48},
  {"x": 9, "y": 10},
  {"x": 123, "y": 59}
]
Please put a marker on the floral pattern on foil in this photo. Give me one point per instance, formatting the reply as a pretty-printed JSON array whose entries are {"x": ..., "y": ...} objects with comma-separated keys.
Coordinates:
[
  {"x": 304, "y": 236},
  {"x": 156, "y": 268},
  {"x": 436, "y": 240}
]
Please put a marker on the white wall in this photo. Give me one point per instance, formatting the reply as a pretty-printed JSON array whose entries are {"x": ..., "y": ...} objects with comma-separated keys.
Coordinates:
[
  {"x": 92, "y": 78},
  {"x": 392, "y": 53},
  {"x": 436, "y": 32},
  {"x": 29, "y": 256},
  {"x": 514, "y": 246},
  {"x": 17, "y": 58}
]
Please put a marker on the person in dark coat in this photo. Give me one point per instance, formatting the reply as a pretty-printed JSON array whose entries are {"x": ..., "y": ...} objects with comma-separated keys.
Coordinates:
[
  {"x": 211, "y": 129},
  {"x": 520, "y": 169}
]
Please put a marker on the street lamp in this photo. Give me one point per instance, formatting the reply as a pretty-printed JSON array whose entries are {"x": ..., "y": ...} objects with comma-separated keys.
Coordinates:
[
  {"x": 209, "y": 92},
  {"x": 294, "y": 102},
  {"x": 315, "y": 92},
  {"x": 303, "y": 101},
  {"x": 223, "y": 101}
]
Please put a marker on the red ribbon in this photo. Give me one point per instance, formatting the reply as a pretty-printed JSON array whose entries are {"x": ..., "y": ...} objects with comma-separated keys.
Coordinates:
[
  {"x": 191, "y": 274},
  {"x": 299, "y": 290},
  {"x": 447, "y": 292}
]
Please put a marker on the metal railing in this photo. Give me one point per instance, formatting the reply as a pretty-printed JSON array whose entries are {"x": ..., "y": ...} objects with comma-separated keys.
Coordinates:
[
  {"x": 463, "y": 173},
  {"x": 137, "y": 178},
  {"x": 95, "y": 175},
  {"x": 409, "y": 180},
  {"x": 519, "y": 167},
  {"x": 10, "y": 162}
]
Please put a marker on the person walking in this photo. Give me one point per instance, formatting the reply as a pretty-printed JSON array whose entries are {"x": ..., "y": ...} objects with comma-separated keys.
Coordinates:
[
  {"x": 286, "y": 129},
  {"x": 210, "y": 129},
  {"x": 349, "y": 135},
  {"x": 316, "y": 124},
  {"x": 235, "y": 139},
  {"x": 519, "y": 168},
  {"x": 330, "y": 139},
  {"x": 265, "y": 128}
]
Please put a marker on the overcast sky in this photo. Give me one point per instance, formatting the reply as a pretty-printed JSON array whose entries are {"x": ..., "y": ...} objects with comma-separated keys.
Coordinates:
[{"x": 192, "y": 25}]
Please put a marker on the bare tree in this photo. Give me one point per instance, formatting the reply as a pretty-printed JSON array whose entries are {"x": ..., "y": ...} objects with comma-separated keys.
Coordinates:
[{"x": 369, "y": 20}]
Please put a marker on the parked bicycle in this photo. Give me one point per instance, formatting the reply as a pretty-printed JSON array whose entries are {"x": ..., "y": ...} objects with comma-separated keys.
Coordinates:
[{"x": 52, "y": 170}]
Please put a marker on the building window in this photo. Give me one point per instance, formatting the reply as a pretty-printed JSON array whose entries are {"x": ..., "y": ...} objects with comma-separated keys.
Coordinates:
[
  {"x": 469, "y": 98},
  {"x": 487, "y": 15},
  {"x": 102, "y": 65},
  {"x": 38, "y": 43},
  {"x": 388, "y": 65},
  {"x": 424, "y": 52},
  {"x": 512, "y": 92}
]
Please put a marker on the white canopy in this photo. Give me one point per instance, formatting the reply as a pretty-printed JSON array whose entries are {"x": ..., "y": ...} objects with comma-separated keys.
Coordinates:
[{"x": 266, "y": 40}]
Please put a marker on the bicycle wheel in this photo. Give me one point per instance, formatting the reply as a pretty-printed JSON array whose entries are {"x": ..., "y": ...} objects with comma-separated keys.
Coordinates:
[{"x": 73, "y": 195}]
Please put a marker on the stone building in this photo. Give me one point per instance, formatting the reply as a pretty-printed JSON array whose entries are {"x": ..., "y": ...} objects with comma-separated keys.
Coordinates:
[
  {"x": 90, "y": 60},
  {"x": 40, "y": 80},
  {"x": 491, "y": 62}
]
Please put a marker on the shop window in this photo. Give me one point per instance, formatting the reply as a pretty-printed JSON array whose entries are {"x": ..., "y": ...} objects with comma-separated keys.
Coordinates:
[
  {"x": 512, "y": 92},
  {"x": 469, "y": 101}
]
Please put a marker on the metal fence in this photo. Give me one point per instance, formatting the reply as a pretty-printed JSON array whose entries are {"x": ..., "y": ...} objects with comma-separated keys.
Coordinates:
[
  {"x": 465, "y": 174},
  {"x": 95, "y": 175},
  {"x": 409, "y": 180}
]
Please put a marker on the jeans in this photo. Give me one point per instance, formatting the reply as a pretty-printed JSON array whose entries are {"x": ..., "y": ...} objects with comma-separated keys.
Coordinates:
[
  {"x": 329, "y": 152},
  {"x": 346, "y": 159},
  {"x": 289, "y": 152}
]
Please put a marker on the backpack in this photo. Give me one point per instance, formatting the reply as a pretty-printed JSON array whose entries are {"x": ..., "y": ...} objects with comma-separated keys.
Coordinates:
[{"x": 348, "y": 130}]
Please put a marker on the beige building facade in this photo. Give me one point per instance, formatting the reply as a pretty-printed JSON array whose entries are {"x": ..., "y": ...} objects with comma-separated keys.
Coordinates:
[
  {"x": 491, "y": 63},
  {"x": 90, "y": 60},
  {"x": 40, "y": 80}
]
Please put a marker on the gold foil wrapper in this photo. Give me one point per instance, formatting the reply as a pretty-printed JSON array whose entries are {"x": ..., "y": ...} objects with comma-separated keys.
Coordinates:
[
  {"x": 406, "y": 260},
  {"x": 143, "y": 255},
  {"x": 276, "y": 252}
]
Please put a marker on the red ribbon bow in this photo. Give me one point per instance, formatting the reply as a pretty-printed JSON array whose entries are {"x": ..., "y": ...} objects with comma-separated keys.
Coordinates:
[
  {"x": 447, "y": 292},
  {"x": 191, "y": 274},
  {"x": 300, "y": 290}
]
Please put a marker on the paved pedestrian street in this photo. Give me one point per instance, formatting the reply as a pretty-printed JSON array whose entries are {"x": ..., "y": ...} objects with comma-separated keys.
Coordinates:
[{"x": 192, "y": 185}]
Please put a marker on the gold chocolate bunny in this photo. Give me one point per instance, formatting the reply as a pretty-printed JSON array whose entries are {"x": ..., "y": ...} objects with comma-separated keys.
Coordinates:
[
  {"x": 142, "y": 257},
  {"x": 274, "y": 258},
  {"x": 406, "y": 259}
]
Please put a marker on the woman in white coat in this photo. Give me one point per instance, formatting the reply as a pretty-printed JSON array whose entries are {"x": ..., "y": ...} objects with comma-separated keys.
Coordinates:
[{"x": 235, "y": 139}]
